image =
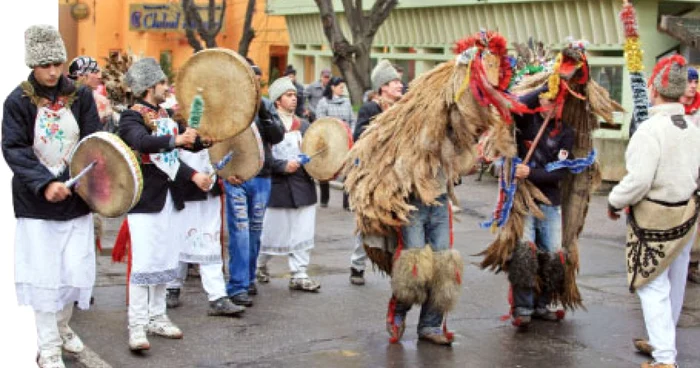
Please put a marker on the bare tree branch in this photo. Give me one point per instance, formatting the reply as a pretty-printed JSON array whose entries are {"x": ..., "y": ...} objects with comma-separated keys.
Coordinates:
[
  {"x": 248, "y": 31},
  {"x": 189, "y": 22}
]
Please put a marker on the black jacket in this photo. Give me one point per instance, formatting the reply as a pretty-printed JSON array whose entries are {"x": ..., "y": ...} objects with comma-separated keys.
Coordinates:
[
  {"x": 271, "y": 132},
  {"x": 291, "y": 190},
  {"x": 156, "y": 183},
  {"x": 30, "y": 177},
  {"x": 367, "y": 112},
  {"x": 556, "y": 144}
]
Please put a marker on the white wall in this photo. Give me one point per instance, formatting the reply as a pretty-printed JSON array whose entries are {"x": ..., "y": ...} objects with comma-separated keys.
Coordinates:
[{"x": 18, "y": 332}]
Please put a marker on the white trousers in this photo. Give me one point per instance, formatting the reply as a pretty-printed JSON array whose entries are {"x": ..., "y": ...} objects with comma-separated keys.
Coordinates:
[
  {"x": 298, "y": 262},
  {"x": 145, "y": 302},
  {"x": 212, "y": 279},
  {"x": 662, "y": 301},
  {"x": 359, "y": 256},
  {"x": 50, "y": 325}
]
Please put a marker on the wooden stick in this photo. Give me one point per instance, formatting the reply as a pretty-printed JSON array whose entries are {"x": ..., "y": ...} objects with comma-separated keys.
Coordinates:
[{"x": 539, "y": 135}]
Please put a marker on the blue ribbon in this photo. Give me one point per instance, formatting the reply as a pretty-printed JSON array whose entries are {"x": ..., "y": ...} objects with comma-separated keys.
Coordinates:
[
  {"x": 576, "y": 165},
  {"x": 509, "y": 191}
]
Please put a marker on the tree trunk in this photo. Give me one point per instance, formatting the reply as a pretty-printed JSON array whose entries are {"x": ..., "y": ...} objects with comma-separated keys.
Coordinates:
[
  {"x": 248, "y": 31},
  {"x": 353, "y": 60},
  {"x": 194, "y": 21}
]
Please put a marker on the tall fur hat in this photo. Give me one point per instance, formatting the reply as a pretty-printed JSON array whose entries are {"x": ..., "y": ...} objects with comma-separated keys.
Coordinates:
[
  {"x": 383, "y": 73},
  {"x": 670, "y": 77},
  {"x": 43, "y": 45},
  {"x": 144, "y": 74},
  {"x": 280, "y": 87}
]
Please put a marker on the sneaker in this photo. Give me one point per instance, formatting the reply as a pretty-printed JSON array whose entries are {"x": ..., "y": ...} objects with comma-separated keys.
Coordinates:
[
  {"x": 436, "y": 338},
  {"x": 137, "y": 338},
  {"x": 262, "y": 275},
  {"x": 172, "y": 298},
  {"x": 545, "y": 314},
  {"x": 304, "y": 284},
  {"x": 51, "y": 359},
  {"x": 643, "y": 346},
  {"x": 242, "y": 299},
  {"x": 357, "y": 277},
  {"x": 654, "y": 364},
  {"x": 521, "y": 321},
  {"x": 71, "y": 341},
  {"x": 252, "y": 289},
  {"x": 224, "y": 307},
  {"x": 395, "y": 328},
  {"x": 162, "y": 326}
]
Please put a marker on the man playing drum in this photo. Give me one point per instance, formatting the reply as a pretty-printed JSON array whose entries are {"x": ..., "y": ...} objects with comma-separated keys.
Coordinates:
[
  {"x": 148, "y": 129},
  {"x": 290, "y": 220},
  {"x": 43, "y": 120}
]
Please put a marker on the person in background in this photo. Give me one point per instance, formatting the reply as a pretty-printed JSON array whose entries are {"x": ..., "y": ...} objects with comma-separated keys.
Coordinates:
[
  {"x": 314, "y": 93},
  {"x": 301, "y": 110},
  {"x": 337, "y": 105}
]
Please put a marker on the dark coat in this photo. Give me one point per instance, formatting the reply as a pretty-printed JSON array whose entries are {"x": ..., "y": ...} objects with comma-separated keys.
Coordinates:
[
  {"x": 156, "y": 184},
  {"x": 367, "y": 112},
  {"x": 271, "y": 132},
  {"x": 291, "y": 190},
  {"x": 30, "y": 177},
  {"x": 558, "y": 139}
]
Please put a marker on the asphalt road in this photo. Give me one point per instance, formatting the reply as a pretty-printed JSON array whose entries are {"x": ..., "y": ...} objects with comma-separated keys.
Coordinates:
[{"x": 344, "y": 325}]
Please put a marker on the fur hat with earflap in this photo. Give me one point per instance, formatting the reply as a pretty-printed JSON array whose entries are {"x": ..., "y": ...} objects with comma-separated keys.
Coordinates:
[{"x": 43, "y": 45}]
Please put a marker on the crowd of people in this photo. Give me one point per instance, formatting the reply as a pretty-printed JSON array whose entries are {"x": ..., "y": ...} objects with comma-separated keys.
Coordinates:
[{"x": 274, "y": 213}]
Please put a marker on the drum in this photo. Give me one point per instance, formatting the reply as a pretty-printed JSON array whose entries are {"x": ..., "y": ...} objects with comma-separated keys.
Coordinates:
[
  {"x": 113, "y": 186},
  {"x": 247, "y": 155},
  {"x": 327, "y": 142},
  {"x": 230, "y": 92}
]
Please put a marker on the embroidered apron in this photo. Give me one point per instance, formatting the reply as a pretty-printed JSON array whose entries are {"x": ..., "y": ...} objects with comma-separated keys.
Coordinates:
[
  {"x": 56, "y": 133},
  {"x": 656, "y": 234}
]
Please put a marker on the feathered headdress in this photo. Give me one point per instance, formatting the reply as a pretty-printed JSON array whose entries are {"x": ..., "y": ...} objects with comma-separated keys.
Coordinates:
[{"x": 490, "y": 71}]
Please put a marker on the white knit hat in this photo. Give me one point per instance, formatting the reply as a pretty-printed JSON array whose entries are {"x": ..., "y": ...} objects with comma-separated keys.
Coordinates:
[
  {"x": 43, "y": 45},
  {"x": 280, "y": 87},
  {"x": 383, "y": 73},
  {"x": 144, "y": 74}
]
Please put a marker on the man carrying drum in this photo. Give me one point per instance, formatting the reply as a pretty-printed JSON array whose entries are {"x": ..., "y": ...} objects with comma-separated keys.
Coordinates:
[
  {"x": 149, "y": 130},
  {"x": 43, "y": 120}
]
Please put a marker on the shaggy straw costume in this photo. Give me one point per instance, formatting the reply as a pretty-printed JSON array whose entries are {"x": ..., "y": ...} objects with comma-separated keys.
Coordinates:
[
  {"x": 579, "y": 100},
  {"x": 410, "y": 150}
]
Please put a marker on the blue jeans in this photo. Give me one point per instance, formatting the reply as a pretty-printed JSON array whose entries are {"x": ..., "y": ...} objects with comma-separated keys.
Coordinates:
[
  {"x": 245, "y": 209},
  {"x": 546, "y": 234},
  {"x": 428, "y": 225}
]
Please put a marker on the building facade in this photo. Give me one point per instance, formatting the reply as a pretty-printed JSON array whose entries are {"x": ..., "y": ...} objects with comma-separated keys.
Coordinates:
[
  {"x": 420, "y": 34},
  {"x": 155, "y": 28}
]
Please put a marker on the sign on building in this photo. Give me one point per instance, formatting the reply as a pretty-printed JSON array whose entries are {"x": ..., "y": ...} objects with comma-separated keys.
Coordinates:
[{"x": 166, "y": 17}]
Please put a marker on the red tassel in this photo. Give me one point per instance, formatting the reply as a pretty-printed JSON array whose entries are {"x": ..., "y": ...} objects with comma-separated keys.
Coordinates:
[
  {"x": 98, "y": 243},
  {"x": 122, "y": 243},
  {"x": 452, "y": 233},
  {"x": 415, "y": 271},
  {"x": 458, "y": 277}
]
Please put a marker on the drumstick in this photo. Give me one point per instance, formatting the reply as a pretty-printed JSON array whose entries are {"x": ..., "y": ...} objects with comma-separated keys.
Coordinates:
[
  {"x": 72, "y": 181},
  {"x": 224, "y": 160}
]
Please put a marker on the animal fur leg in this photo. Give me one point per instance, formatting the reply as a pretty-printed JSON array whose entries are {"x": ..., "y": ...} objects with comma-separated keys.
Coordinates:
[
  {"x": 412, "y": 274},
  {"x": 447, "y": 280}
]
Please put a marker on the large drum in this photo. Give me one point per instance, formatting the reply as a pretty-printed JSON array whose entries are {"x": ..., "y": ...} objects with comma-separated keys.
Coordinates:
[
  {"x": 247, "y": 155},
  {"x": 230, "y": 92},
  {"x": 113, "y": 186},
  {"x": 327, "y": 142}
]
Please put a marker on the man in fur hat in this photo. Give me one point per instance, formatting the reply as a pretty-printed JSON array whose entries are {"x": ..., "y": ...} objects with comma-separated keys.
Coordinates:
[
  {"x": 149, "y": 130},
  {"x": 663, "y": 159},
  {"x": 290, "y": 220},
  {"x": 387, "y": 83},
  {"x": 43, "y": 120}
]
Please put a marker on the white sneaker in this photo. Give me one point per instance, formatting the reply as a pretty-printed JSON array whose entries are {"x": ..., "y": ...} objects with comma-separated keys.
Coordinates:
[
  {"x": 71, "y": 341},
  {"x": 162, "y": 326},
  {"x": 51, "y": 359},
  {"x": 137, "y": 338}
]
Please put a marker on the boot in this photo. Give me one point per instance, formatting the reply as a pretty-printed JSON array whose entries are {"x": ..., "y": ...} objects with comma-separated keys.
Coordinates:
[
  {"x": 357, "y": 277},
  {"x": 172, "y": 298}
]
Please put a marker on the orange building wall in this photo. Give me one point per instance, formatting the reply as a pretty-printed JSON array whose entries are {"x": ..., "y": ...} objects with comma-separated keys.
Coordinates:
[{"x": 107, "y": 28}]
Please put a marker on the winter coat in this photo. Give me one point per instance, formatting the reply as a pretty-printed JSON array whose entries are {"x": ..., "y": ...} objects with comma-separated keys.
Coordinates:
[
  {"x": 367, "y": 112},
  {"x": 156, "y": 183},
  {"x": 337, "y": 107},
  {"x": 271, "y": 132},
  {"x": 30, "y": 177},
  {"x": 293, "y": 190},
  {"x": 556, "y": 144}
]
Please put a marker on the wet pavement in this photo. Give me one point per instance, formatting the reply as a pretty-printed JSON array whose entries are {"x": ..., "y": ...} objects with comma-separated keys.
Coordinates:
[{"x": 344, "y": 325}]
